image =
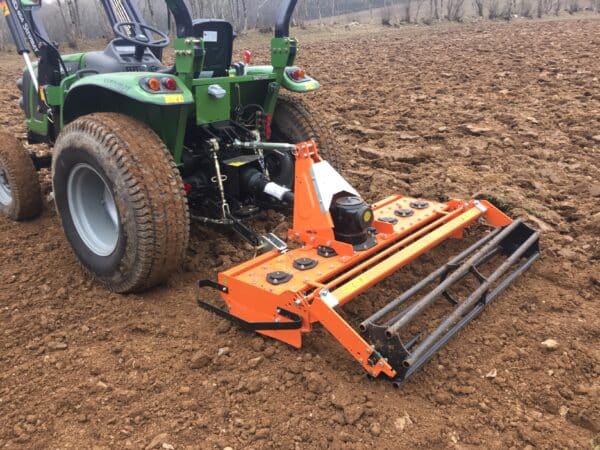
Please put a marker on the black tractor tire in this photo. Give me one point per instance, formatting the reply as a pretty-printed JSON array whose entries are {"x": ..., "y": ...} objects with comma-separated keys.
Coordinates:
[
  {"x": 121, "y": 201},
  {"x": 294, "y": 122},
  {"x": 20, "y": 192}
]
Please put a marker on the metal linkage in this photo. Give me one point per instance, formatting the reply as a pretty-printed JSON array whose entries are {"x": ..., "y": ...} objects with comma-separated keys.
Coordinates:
[
  {"x": 214, "y": 151},
  {"x": 258, "y": 145},
  {"x": 516, "y": 242}
]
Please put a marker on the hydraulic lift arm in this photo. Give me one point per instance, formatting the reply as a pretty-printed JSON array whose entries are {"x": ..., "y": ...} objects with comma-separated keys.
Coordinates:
[{"x": 22, "y": 32}]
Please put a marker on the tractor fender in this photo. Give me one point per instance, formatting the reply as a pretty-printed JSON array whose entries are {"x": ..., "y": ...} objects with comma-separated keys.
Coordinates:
[
  {"x": 306, "y": 84},
  {"x": 302, "y": 85},
  {"x": 121, "y": 92}
]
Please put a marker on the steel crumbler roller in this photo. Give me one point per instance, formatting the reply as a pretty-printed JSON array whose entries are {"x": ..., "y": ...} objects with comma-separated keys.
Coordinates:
[{"x": 348, "y": 246}]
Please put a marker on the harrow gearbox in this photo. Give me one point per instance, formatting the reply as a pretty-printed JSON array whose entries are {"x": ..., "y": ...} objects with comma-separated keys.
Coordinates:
[{"x": 346, "y": 247}]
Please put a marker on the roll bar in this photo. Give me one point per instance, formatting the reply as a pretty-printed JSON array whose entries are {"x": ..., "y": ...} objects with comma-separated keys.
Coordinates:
[
  {"x": 182, "y": 16},
  {"x": 284, "y": 16}
]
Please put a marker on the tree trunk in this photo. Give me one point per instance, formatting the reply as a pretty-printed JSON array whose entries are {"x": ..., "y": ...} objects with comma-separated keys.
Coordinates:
[{"x": 71, "y": 39}]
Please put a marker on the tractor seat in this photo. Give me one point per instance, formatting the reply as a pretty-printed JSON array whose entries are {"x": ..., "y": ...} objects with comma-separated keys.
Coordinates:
[
  {"x": 119, "y": 56},
  {"x": 218, "y": 36}
]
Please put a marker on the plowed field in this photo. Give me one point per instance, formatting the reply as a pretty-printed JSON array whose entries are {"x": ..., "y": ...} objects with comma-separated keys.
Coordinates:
[{"x": 511, "y": 110}]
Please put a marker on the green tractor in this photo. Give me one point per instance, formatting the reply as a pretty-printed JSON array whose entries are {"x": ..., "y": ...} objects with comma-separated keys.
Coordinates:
[{"x": 140, "y": 149}]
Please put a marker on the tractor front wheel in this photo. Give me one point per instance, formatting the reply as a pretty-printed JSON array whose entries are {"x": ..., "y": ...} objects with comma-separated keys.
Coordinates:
[
  {"x": 121, "y": 201},
  {"x": 20, "y": 196},
  {"x": 293, "y": 122}
]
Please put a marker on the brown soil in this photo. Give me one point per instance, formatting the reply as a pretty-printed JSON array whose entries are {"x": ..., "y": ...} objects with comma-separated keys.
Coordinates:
[{"x": 512, "y": 110}]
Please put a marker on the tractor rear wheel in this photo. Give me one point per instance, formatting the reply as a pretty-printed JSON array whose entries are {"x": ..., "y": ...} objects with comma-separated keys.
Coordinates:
[
  {"x": 293, "y": 122},
  {"x": 121, "y": 201},
  {"x": 20, "y": 194}
]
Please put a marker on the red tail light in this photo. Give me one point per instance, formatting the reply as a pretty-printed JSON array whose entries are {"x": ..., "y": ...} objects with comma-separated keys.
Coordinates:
[
  {"x": 298, "y": 74},
  {"x": 170, "y": 84}
]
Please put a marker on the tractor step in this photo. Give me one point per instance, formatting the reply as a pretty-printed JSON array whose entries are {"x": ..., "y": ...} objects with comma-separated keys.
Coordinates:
[{"x": 513, "y": 248}]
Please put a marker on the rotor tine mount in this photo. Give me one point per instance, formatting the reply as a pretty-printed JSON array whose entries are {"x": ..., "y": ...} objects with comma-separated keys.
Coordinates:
[{"x": 518, "y": 248}]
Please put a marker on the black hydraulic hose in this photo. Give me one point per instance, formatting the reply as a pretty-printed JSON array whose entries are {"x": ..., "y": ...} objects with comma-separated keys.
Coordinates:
[{"x": 284, "y": 16}]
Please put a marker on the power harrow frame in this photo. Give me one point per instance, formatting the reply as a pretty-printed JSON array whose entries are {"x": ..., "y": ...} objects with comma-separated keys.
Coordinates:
[{"x": 285, "y": 292}]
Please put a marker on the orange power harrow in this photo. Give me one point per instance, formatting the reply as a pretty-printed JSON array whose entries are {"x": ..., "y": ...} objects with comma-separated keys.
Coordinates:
[{"x": 346, "y": 247}]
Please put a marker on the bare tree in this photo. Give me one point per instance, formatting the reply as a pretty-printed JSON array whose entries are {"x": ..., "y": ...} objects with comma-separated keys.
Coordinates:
[
  {"x": 72, "y": 20},
  {"x": 478, "y": 5},
  {"x": 73, "y": 7},
  {"x": 494, "y": 9},
  {"x": 573, "y": 6},
  {"x": 556, "y": 7},
  {"x": 454, "y": 10},
  {"x": 418, "y": 11},
  {"x": 525, "y": 8},
  {"x": 70, "y": 32},
  {"x": 508, "y": 10},
  {"x": 407, "y": 11},
  {"x": 434, "y": 7}
]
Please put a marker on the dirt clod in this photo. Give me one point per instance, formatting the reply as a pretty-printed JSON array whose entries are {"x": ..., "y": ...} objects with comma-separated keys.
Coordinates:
[
  {"x": 157, "y": 441},
  {"x": 375, "y": 429},
  {"x": 550, "y": 344},
  {"x": 200, "y": 360},
  {"x": 401, "y": 423}
]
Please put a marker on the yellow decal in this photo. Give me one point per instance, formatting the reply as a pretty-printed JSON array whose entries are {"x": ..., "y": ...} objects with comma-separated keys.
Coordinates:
[
  {"x": 174, "y": 98},
  {"x": 237, "y": 163},
  {"x": 312, "y": 85},
  {"x": 350, "y": 287},
  {"x": 4, "y": 8}
]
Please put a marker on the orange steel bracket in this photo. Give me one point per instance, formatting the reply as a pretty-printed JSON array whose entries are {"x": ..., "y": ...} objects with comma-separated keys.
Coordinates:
[
  {"x": 360, "y": 349},
  {"x": 311, "y": 225},
  {"x": 494, "y": 216}
]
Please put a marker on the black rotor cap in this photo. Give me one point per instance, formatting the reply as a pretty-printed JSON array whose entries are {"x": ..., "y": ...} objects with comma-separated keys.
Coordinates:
[
  {"x": 305, "y": 263},
  {"x": 279, "y": 277}
]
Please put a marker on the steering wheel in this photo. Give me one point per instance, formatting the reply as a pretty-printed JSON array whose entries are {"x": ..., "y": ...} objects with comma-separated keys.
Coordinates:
[{"x": 140, "y": 38}]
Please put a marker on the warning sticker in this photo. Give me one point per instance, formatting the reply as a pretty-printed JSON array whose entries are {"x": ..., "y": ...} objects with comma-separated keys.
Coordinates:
[
  {"x": 174, "y": 99},
  {"x": 211, "y": 36},
  {"x": 4, "y": 8}
]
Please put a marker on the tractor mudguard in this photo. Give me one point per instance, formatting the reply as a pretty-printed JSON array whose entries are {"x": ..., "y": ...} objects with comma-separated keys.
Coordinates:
[
  {"x": 165, "y": 111},
  {"x": 131, "y": 86},
  {"x": 300, "y": 85},
  {"x": 295, "y": 79}
]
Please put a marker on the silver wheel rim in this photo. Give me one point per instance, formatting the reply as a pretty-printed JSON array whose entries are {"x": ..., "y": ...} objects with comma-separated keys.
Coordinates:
[
  {"x": 5, "y": 191},
  {"x": 93, "y": 210}
]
